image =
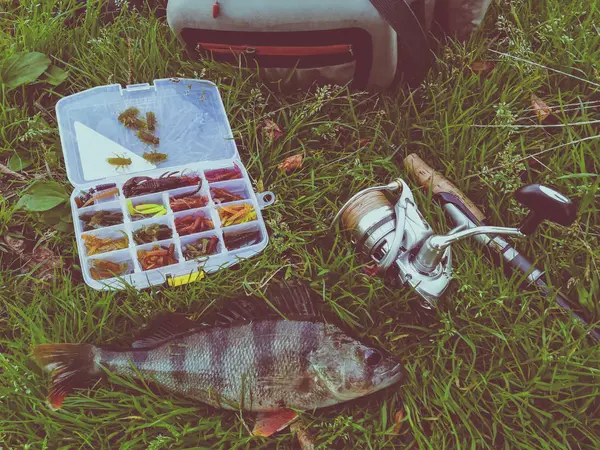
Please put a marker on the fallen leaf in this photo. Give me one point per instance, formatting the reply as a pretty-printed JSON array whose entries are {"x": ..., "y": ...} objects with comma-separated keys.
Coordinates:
[
  {"x": 371, "y": 270},
  {"x": 41, "y": 260},
  {"x": 398, "y": 421},
  {"x": 304, "y": 438},
  {"x": 540, "y": 108},
  {"x": 16, "y": 245},
  {"x": 46, "y": 261},
  {"x": 291, "y": 163},
  {"x": 272, "y": 130},
  {"x": 364, "y": 142},
  {"x": 482, "y": 66}
]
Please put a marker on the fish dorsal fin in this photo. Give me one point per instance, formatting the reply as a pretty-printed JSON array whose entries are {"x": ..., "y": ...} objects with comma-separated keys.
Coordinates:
[
  {"x": 294, "y": 301},
  {"x": 164, "y": 327}
]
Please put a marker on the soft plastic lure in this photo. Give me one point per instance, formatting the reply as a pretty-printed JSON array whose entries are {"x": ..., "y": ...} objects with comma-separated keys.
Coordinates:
[
  {"x": 119, "y": 161},
  {"x": 154, "y": 157},
  {"x": 138, "y": 211},
  {"x": 151, "y": 120}
]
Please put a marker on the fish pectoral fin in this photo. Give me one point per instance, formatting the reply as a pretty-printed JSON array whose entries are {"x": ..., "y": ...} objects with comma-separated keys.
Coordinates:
[{"x": 268, "y": 423}]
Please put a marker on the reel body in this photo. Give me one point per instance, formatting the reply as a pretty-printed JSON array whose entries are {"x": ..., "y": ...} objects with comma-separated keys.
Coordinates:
[
  {"x": 399, "y": 236},
  {"x": 392, "y": 235}
]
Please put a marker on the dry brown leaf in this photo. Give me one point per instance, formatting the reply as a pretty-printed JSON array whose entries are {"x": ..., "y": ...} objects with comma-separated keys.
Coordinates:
[
  {"x": 5, "y": 170},
  {"x": 398, "y": 421},
  {"x": 16, "y": 245},
  {"x": 304, "y": 438},
  {"x": 540, "y": 108},
  {"x": 41, "y": 260},
  {"x": 364, "y": 142},
  {"x": 371, "y": 269},
  {"x": 45, "y": 260},
  {"x": 272, "y": 130},
  {"x": 291, "y": 163},
  {"x": 482, "y": 66}
]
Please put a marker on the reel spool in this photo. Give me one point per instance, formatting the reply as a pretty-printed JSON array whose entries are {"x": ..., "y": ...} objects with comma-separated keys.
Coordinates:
[
  {"x": 391, "y": 234},
  {"x": 371, "y": 220}
]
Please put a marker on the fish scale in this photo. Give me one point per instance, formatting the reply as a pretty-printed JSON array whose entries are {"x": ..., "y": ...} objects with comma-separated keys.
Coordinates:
[
  {"x": 245, "y": 357},
  {"x": 260, "y": 363}
]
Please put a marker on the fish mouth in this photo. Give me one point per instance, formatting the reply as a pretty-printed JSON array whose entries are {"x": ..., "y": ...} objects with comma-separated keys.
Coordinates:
[{"x": 389, "y": 377}]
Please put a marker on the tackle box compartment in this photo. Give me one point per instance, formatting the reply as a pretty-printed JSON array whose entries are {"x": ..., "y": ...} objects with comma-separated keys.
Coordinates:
[{"x": 195, "y": 135}]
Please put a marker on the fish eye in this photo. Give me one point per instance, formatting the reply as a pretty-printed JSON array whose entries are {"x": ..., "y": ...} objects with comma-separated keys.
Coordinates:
[{"x": 372, "y": 357}]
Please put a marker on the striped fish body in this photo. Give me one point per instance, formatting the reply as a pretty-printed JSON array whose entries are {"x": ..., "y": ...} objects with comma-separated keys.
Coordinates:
[
  {"x": 243, "y": 358},
  {"x": 258, "y": 366}
]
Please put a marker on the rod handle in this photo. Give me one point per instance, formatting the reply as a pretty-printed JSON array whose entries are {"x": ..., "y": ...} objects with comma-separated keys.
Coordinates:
[{"x": 427, "y": 177}]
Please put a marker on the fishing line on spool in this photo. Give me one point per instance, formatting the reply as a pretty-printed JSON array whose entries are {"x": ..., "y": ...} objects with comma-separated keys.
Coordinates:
[{"x": 371, "y": 218}]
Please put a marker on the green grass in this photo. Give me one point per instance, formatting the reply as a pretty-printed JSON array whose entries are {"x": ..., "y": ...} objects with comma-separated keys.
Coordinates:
[{"x": 497, "y": 368}]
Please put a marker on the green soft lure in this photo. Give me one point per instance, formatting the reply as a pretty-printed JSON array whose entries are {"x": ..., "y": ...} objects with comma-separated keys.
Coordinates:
[{"x": 146, "y": 209}]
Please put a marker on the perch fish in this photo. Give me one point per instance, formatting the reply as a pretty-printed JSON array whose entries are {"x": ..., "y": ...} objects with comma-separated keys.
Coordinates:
[{"x": 245, "y": 357}]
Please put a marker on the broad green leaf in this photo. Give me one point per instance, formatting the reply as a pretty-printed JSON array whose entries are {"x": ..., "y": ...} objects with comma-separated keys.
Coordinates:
[
  {"x": 43, "y": 196},
  {"x": 18, "y": 162},
  {"x": 55, "y": 75},
  {"x": 48, "y": 188},
  {"x": 58, "y": 218},
  {"x": 43, "y": 203},
  {"x": 23, "y": 68},
  {"x": 62, "y": 226}
]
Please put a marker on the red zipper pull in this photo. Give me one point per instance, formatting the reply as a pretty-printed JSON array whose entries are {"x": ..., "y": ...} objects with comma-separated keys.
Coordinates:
[{"x": 216, "y": 10}]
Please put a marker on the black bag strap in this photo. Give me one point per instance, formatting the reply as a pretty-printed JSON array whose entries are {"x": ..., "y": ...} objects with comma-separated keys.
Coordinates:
[{"x": 401, "y": 17}]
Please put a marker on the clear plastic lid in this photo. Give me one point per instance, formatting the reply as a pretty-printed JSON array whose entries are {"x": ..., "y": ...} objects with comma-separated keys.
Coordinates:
[{"x": 192, "y": 127}]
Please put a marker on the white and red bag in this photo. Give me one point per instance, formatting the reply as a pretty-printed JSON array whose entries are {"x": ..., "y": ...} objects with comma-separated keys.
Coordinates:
[{"x": 369, "y": 43}]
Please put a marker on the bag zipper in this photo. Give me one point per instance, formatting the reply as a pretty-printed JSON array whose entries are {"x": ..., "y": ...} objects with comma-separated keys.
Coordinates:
[{"x": 264, "y": 50}]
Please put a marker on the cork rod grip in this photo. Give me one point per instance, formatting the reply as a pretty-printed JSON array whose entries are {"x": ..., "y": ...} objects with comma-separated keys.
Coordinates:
[{"x": 428, "y": 177}]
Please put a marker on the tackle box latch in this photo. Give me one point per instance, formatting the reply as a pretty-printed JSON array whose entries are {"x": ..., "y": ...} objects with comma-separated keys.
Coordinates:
[{"x": 185, "y": 279}]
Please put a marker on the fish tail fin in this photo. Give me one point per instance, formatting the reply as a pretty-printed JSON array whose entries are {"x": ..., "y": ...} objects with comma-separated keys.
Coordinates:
[{"x": 72, "y": 366}]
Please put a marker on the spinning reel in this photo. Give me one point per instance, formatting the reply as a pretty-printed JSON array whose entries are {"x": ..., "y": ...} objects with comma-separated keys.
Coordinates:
[{"x": 398, "y": 235}]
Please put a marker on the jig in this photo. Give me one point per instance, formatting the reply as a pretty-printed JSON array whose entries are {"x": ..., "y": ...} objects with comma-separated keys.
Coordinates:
[
  {"x": 236, "y": 214},
  {"x": 93, "y": 195},
  {"x": 138, "y": 212},
  {"x": 146, "y": 185},
  {"x": 190, "y": 202},
  {"x": 102, "y": 269},
  {"x": 119, "y": 161},
  {"x": 201, "y": 247},
  {"x": 95, "y": 245},
  {"x": 151, "y": 121},
  {"x": 101, "y": 219},
  {"x": 223, "y": 196},
  {"x": 157, "y": 257},
  {"x": 223, "y": 174},
  {"x": 192, "y": 224},
  {"x": 130, "y": 119},
  {"x": 148, "y": 138},
  {"x": 234, "y": 241},
  {"x": 154, "y": 157},
  {"x": 152, "y": 233}
]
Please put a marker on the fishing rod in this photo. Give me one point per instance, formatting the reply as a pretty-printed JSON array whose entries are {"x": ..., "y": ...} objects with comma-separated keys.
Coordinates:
[
  {"x": 398, "y": 239},
  {"x": 463, "y": 212}
]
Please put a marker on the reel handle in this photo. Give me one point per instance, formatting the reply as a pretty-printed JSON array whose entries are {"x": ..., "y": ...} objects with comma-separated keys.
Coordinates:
[
  {"x": 427, "y": 177},
  {"x": 544, "y": 203}
]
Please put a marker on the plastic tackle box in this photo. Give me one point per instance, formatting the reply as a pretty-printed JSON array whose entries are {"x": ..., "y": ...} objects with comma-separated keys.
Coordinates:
[{"x": 194, "y": 133}]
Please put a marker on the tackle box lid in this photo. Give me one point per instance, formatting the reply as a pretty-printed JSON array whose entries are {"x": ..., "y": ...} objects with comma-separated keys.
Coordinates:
[{"x": 192, "y": 127}]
